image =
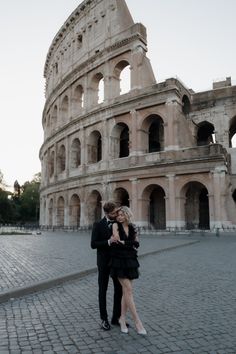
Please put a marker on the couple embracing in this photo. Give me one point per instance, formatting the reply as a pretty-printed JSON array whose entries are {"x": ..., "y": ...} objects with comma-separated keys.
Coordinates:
[{"x": 116, "y": 241}]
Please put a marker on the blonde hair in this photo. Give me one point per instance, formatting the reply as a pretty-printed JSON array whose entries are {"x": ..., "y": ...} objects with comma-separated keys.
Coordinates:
[{"x": 128, "y": 213}]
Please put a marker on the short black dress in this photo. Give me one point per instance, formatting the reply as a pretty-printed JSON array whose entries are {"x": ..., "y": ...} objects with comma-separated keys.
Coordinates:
[{"x": 124, "y": 262}]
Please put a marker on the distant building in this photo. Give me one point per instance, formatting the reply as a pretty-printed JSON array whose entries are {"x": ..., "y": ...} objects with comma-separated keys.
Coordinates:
[{"x": 161, "y": 148}]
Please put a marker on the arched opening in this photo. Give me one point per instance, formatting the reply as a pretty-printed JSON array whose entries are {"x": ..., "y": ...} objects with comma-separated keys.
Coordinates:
[
  {"x": 152, "y": 134},
  {"x": 119, "y": 146},
  {"x": 94, "y": 207},
  {"x": 125, "y": 80},
  {"x": 186, "y": 106},
  {"x": 156, "y": 135},
  {"x": 122, "y": 76},
  {"x": 61, "y": 159},
  {"x": 79, "y": 97},
  {"x": 74, "y": 211},
  {"x": 94, "y": 147},
  {"x": 232, "y": 133},
  {"x": 234, "y": 196},
  {"x": 65, "y": 110},
  {"x": 54, "y": 118},
  {"x": 51, "y": 164},
  {"x": 121, "y": 197},
  {"x": 97, "y": 86},
  {"x": 101, "y": 91},
  {"x": 155, "y": 205},
  {"x": 205, "y": 134},
  {"x": 50, "y": 213},
  {"x": 196, "y": 206},
  {"x": 124, "y": 141},
  {"x": 75, "y": 157},
  {"x": 60, "y": 211}
]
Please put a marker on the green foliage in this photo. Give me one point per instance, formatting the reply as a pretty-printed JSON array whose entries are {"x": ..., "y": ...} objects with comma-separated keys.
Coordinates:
[
  {"x": 29, "y": 201},
  {"x": 21, "y": 206}
]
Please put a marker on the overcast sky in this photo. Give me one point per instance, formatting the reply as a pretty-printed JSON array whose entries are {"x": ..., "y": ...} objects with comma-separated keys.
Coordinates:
[{"x": 191, "y": 39}]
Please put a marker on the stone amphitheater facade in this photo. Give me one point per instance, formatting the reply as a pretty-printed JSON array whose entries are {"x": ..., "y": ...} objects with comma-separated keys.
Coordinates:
[{"x": 160, "y": 148}]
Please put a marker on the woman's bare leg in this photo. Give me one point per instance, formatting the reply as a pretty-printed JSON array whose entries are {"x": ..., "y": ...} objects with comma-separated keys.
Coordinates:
[{"x": 128, "y": 303}]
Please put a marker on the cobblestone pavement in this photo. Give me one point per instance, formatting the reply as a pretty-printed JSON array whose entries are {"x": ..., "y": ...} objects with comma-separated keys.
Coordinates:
[
  {"x": 186, "y": 298},
  {"x": 25, "y": 259}
]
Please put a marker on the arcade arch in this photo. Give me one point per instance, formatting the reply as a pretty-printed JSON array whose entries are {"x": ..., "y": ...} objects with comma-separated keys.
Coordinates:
[
  {"x": 94, "y": 147},
  {"x": 74, "y": 211},
  {"x": 195, "y": 207},
  {"x": 205, "y": 133},
  {"x": 75, "y": 157},
  {"x": 61, "y": 162},
  {"x": 121, "y": 196},
  {"x": 152, "y": 134},
  {"x": 155, "y": 205},
  {"x": 120, "y": 141}
]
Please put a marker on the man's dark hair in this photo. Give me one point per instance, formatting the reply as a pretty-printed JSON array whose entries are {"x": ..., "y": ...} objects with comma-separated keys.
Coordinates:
[{"x": 109, "y": 207}]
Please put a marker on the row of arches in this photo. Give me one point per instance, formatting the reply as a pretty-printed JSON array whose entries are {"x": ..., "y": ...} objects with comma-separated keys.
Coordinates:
[
  {"x": 195, "y": 207},
  {"x": 119, "y": 146},
  {"x": 85, "y": 95}
]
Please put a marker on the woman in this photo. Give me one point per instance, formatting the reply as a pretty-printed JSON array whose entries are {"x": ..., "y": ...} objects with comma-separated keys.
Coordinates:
[{"x": 124, "y": 265}]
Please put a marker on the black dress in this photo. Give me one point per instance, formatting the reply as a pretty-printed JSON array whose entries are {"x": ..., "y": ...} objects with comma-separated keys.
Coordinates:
[{"x": 124, "y": 262}]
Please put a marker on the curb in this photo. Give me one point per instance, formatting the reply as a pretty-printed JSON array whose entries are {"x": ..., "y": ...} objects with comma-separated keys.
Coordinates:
[{"x": 50, "y": 283}]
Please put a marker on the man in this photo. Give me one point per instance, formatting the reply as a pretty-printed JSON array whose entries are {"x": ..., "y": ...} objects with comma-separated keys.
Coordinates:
[{"x": 101, "y": 240}]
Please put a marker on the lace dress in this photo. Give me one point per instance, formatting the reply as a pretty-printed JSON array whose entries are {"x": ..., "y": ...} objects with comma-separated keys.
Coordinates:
[{"x": 124, "y": 262}]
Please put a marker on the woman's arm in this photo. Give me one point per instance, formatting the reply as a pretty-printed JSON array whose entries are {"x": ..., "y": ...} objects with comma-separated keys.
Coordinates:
[{"x": 115, "y": 231}]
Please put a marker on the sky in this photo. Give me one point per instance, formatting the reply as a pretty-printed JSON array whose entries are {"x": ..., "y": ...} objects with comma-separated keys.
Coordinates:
[{"x": 193, "y": 40}]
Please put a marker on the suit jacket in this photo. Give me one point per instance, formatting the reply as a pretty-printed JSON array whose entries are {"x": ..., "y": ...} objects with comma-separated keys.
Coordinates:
[{"x": 99, "y": 240}]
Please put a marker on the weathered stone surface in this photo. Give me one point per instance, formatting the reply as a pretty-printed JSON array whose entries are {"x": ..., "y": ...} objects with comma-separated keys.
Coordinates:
[{"x": 159, "y": 147}]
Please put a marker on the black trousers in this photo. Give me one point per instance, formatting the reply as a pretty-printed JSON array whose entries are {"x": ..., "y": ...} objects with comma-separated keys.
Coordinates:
[{"x": 103, "y": 280}]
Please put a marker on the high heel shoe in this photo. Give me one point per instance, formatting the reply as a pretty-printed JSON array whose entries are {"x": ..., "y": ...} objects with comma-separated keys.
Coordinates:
[
  {"x": 123, "y": 327},
  {"x": 140, "y": 329}
]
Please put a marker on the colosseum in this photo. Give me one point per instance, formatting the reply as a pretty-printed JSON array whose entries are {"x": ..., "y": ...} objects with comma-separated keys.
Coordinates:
[{"x": 111, "y": 131}]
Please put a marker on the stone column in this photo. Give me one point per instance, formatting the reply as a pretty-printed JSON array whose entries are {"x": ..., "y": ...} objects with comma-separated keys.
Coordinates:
[
  {"x": 66, "y": 210},
  {"x": 217, "y": 199},
  {"x": 133, "y": 133},
  {"x": 55, "y": 163},
  {"x": 134, "y": 197},
  {"x": 83, "y": 150},
  {"x": 83, "y": 214},
  {"x": 171, "y": 132},
  {"x": 67, "y": 157},
  {"x": 170, "y": 203}
]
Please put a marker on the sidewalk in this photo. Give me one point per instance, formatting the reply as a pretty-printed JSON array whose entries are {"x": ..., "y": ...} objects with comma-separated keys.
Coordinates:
[{"x": 30, "y": 263}]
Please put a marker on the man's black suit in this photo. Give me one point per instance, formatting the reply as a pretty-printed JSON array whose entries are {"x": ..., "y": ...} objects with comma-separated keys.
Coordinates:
[{"x": 100, "y": 235}]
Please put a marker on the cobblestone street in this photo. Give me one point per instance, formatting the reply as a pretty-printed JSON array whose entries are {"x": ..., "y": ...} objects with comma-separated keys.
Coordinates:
[{"x": 185, "y": 296}]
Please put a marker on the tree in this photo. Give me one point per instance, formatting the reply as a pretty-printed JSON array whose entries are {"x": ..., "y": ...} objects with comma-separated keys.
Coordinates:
[{"x": 29, "y": 200}]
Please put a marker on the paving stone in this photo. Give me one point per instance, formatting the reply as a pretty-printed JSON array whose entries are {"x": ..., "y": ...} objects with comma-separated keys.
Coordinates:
[{"x": 184, "y": 297}]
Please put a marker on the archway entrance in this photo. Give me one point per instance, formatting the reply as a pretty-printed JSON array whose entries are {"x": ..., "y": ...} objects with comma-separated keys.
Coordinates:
[
  {"x": 74, "y": 211},
  {"x": 154, "y": 196},
  {"x": 196, "y": 206},
  {"x": 121, "y": 197}
]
